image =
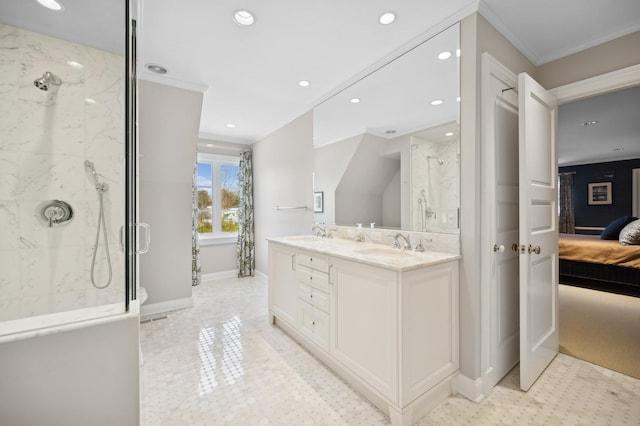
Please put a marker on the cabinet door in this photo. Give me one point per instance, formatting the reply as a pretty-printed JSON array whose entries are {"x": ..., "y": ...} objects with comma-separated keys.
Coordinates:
[
  {"x": 314, "y": 324},
  {"x": 429, "y": 328},
  {"x": 283, "y": 287},
  {"x": 364, "y": 323}
]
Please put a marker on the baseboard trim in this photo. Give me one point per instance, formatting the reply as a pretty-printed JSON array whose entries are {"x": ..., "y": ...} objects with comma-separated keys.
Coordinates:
[
  {"x": 164, "y": 307},
  {"x": 219, "y": 275},
  {"x": 232, "y": 274},
  {"x": 470, "y": 388},
  {"x": 261, "y": 276}
]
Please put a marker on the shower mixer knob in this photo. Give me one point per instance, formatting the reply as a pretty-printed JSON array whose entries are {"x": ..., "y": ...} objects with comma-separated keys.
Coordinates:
[{"x": 55, "y": 212}]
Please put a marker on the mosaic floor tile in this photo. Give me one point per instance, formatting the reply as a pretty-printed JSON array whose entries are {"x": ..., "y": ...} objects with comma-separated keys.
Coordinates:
[{"x": 222, "y": 363}]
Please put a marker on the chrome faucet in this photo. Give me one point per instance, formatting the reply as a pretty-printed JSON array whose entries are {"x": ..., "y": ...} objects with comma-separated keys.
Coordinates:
[
  {"x": 405, "y": 245},
  {"x": 420, "y": 247},
  {"x": 319, "y": 230}
]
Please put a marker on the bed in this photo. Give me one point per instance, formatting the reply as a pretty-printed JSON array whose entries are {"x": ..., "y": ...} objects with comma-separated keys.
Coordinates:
[{"x": 588, "y": 261}]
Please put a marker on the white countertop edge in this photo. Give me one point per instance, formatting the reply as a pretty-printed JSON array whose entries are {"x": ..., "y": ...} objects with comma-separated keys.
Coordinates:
[{"x": 310, "y": 243}]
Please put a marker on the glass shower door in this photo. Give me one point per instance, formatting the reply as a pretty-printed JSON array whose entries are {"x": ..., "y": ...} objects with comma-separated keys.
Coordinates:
[{"x": 65, "y": 164}]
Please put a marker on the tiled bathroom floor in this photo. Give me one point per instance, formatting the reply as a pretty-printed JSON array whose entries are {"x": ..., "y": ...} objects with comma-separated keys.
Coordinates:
[{"x": 222, "y": 363}]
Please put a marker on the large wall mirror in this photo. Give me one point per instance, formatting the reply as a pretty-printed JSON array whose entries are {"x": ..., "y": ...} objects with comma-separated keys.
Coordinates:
[{"x": 387, "y": 148}]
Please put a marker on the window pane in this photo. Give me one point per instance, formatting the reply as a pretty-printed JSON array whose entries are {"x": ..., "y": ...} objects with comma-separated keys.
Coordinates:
[
  {"x": 204, "y": 175},
  {"x": 205, "y": 211},
  {"x": 229, "y": 198}
]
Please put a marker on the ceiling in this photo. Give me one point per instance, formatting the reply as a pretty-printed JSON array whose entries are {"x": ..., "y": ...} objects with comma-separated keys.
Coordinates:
[
  {"x": 250, "y": 75},
  {"x": 396, "y": 99},
  {"x": 615, "y": 136},
  {"x": 95, "y": 23}
]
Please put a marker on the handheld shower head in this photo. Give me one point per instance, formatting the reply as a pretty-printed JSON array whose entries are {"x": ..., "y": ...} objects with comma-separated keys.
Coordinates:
[
  {"x": 440, "y": 161},
  {"x": 100, "y": 186},
  {"x": 46, "y": 81}
]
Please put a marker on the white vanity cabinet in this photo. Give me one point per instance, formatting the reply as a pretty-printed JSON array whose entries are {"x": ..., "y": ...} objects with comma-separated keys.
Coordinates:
[
  {"x": 388, "y": 326},
  {"x": 364, "y": 323},
  {"x": 283, "y": 285}
]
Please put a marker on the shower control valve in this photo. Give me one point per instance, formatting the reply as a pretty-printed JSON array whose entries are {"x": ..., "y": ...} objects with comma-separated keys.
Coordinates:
[{"x": 55, "y": 212}]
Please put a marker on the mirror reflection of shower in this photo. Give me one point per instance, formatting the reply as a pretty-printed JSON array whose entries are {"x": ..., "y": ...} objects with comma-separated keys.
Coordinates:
[
  {"x": 47, "y": 81},
  {"x": 440, "y": 161},
  {"x": 425, "y": 211},
  {"x": 101, "y": 188},
  {"x": 425, "y": 199}
]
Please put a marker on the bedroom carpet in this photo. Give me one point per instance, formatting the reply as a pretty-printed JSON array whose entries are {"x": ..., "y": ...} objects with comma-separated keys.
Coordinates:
[{"x": 601, "y": 328}]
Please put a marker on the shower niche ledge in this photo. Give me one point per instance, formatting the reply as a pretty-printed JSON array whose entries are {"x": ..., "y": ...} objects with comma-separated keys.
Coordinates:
[{"x": 388, "y": 325}]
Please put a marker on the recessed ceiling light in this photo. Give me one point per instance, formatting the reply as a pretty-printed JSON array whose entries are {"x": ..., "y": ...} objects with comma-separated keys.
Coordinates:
[
  {"x": 304, "y": 83},
  {"x": 51, "y": 4},
  {"x": 354, "y": 100},
  {"x": 589, "y": 123},
  {"x": 390, "y": 132},
  {"x": 75, "y": 65},
  {"x": 458, "y": 52},
  {"x": 444, "y": 55},
  {"x": 90, "y": 101},
  {"x": 387, "y": 18},
  {"x": 243, "y": 17},
  {"x": 449, "y": 134},
  {"x": 209, "y": 145},
  {"x": 437, "y": 102},
  {"x": 231, "y": 125},
  {"x": 458, "y": 99},
  {"x": 158, "y": 69}
]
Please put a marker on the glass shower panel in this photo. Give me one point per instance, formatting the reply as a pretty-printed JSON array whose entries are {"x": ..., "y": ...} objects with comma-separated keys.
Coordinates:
[{"x": 62, "y": 175}]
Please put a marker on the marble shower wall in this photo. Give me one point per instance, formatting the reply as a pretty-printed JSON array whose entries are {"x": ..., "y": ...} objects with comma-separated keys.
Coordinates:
[
  {"x": 45, "y": 137},
  {"x": 439, "y": 182}
]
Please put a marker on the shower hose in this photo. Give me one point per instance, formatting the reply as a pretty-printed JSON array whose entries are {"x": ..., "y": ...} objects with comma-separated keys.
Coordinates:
[{"x": 101, "y": 225}]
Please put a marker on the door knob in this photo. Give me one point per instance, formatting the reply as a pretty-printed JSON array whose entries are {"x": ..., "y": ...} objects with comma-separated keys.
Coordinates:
[
  {"x": 535, "y": 249},
  {"x": 499, "y": 248}
]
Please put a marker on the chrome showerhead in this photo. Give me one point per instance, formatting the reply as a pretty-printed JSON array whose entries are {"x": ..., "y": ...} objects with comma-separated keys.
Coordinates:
[{"x": 46, "y": 81}]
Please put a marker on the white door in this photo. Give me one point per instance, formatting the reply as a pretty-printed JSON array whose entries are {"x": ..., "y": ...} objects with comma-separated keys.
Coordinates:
[
  {"x": 500, "y": 164},
  {"x": 538, "y": 229}
]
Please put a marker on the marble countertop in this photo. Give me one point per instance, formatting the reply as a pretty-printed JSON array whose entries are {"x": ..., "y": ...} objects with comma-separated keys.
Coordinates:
[{"x": 370, "y": 253}]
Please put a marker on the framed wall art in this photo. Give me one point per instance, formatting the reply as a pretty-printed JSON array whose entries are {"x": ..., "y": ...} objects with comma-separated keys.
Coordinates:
[
  {"x": 318, "y": 202},
  {"x": 599, "y": 193}
]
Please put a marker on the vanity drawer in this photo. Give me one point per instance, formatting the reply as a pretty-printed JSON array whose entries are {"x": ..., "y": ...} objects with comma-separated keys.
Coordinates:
[
  {"x": 313, "y": 296},
  {"x": 314, "y": 324},
  {"x": 313, "y": 261},
  {"x": 317, "y": 279}
]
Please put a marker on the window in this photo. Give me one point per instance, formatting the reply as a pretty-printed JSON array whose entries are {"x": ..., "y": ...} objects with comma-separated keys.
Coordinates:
[{"x": 218, "y": 196}]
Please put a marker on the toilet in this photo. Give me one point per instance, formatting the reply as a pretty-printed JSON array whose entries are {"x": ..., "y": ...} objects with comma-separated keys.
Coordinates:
[{"x": 142, "y": 295}]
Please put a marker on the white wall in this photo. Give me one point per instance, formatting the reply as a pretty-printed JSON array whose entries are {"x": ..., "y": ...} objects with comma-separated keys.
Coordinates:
[
  {"x": 329, "y": 164},
  {"x": 392, "y": 203},
  {"x": 616, "y": 54},
  {"x": 88, "y": 376},
  {"x": 477, "y": 37},
  {"x": 282, "y": 176},
  {"x": 169, "y": 120}
]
